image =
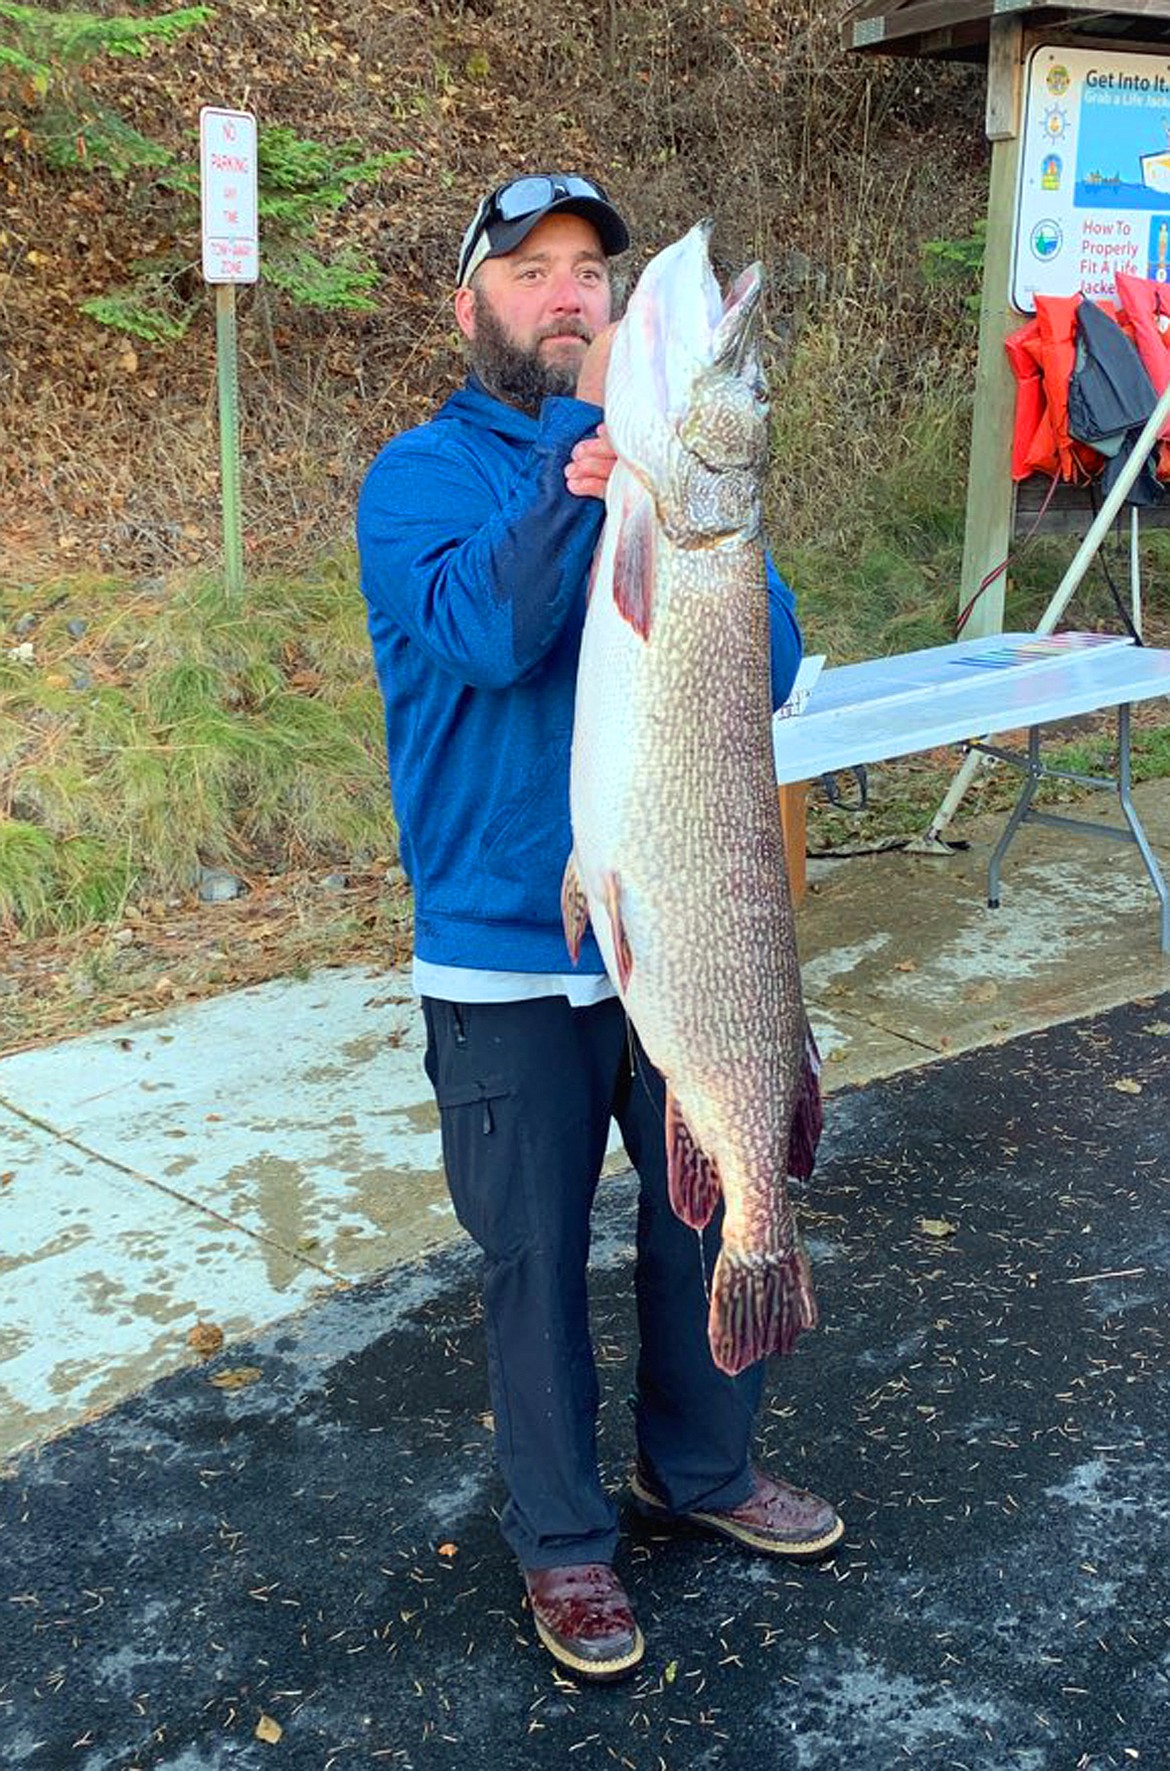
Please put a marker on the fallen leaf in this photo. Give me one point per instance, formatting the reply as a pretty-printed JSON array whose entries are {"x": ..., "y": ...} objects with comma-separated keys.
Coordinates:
[
  {"x": 268, "y": 1729},
  {"x": 205, "y": 1338},
  {"x": 937, "y": 1227},
  {"x": 236, "y": 1377},
  {"x": 1127, "y": 1086},
  {"x": 906, "y": 965},
  {"x": 448, "y": 1549},
  {"x": 985, "y": 992},
  {"x": 670, "y": 1671},
  {"x": 1158, "y": 1028}
]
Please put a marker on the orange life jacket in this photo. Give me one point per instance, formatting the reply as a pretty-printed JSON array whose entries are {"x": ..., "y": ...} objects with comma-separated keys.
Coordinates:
[
  {"x": 1042, "y": 354},
  {"x": 1146, "y": 306},
  {"x": 1056, "y": 317},
  {"x": 1028, "y": 445}
]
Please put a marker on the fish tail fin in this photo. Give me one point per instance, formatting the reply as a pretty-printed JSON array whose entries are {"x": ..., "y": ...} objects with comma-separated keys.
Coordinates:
[
  {"x": 692, "y": 1178},
  {"x": 808, "y": 1118},
  {"x": 759, "y": 1304}
]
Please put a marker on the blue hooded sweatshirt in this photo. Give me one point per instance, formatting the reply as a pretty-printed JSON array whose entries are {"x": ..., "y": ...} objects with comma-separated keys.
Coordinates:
[{"x": 475, "y": 560}]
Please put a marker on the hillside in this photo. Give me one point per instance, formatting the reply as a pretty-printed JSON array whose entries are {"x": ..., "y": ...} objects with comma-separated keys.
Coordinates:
[
  {"x": 150, "y": 729},
  {"x": 833, "y": 168}
]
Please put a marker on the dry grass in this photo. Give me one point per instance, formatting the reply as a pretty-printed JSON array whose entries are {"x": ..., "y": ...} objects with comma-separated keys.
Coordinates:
[{"x": 144, "y": 735}]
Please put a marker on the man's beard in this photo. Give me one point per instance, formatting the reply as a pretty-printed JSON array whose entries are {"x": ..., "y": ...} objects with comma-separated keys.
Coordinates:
[{"x": 520, "y": 377}]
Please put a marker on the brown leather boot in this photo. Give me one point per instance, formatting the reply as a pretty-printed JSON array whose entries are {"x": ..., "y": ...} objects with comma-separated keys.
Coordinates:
[
  {"x": 775, "y": 1520},
  {"x": 584, "y": 1619}
]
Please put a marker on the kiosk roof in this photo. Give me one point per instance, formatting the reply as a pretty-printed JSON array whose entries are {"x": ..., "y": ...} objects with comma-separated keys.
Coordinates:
[{"x": 959, "y": 29}]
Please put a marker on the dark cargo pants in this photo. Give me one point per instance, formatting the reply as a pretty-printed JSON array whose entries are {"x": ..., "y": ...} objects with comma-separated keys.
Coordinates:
[{"x": 526, "y": 1091}]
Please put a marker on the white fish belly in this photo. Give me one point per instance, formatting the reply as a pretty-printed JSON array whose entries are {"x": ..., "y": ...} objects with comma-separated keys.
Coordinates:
[{"x": 673, "y": 793}]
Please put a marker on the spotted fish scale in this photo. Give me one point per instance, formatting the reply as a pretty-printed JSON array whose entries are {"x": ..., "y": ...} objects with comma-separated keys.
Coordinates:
[{"x": 678, "y": 857}]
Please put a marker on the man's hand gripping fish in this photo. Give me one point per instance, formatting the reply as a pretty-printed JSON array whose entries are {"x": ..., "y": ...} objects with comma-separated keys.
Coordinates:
[{"x": 678, "y": 857}]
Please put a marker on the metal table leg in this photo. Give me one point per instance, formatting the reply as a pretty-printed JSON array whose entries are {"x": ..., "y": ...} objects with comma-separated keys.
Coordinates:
[
  {"x": 1137, "y": 834},
  {"x": 1035, "y": 771}
]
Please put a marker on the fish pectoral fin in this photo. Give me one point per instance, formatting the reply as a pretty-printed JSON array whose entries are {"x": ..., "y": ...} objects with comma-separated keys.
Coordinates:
[
  {"x": 692, "y": 1179},
  {"x": 634, "y": 561},
  {"x": 623, "y": 953},
  {"x": 574, "y": 908}
]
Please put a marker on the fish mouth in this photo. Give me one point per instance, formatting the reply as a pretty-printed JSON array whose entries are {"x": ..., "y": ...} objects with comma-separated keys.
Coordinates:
[
  {"x": 736, "y": 340},
  {"x": 723, "y": 427}
]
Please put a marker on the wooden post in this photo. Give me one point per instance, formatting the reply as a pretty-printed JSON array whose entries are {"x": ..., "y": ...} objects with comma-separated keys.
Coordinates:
[
  {"x": 793, "y": 808},
  {"x": 990, "y": 492}
]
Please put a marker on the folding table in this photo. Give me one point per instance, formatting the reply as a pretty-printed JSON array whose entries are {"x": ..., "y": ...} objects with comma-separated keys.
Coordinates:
[{"x": 962, "y": 694}]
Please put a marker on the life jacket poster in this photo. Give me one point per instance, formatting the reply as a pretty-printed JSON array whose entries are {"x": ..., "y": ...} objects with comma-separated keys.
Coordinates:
[{"x": 1094, "y": 182}]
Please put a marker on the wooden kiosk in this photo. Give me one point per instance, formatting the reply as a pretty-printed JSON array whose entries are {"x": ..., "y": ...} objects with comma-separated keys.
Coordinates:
[
  {"x": 1003, "y": 34},
  {"x": 1059, "y": 78}
]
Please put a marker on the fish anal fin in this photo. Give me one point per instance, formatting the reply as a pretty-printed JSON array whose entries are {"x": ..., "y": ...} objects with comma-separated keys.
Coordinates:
[
  {"x": 692, "y": 1178},
  {"x": 574, "y": 908},
  {"x": 623, "y": 953},
  {"x": 759, "y": 1305},
  {"x": 633, "y": 564}
]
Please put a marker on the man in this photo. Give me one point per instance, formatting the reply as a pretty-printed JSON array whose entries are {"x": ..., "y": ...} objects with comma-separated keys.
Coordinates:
[{"x": 476, "y": 533}]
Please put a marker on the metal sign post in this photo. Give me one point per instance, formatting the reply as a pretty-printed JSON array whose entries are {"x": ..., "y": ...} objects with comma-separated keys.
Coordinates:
[
  {"x": 227, "y": 379},
  {"x": 231, "y": 255}
]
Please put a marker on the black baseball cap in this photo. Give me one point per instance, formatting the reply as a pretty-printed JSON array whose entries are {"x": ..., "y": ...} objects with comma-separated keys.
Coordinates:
[{"x": 510, "y": 212}]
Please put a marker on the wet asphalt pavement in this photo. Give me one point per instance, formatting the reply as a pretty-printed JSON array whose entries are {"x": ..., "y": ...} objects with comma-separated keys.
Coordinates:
[{"x": 313, "y": 1551}]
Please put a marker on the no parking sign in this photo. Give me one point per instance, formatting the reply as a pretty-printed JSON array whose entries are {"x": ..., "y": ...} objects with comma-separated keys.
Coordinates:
[{"x": 227, "y": 184}]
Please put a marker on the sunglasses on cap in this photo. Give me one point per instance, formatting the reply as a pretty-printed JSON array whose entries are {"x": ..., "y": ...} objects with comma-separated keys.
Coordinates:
[{"x": 521, "y": 197}]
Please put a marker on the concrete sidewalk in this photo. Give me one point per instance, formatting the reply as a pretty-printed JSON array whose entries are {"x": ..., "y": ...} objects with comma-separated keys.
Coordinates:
[{"x": 231, "y": 1161}]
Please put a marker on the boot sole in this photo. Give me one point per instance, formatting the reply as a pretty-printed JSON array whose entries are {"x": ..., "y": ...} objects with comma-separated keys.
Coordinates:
[
  {"x": 598, "y": 1672},
  {"x": 793, "y": 1549}
]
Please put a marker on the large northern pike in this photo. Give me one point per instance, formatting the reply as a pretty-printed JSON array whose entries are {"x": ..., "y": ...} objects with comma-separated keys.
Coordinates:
[{"x": 678, "y": 858}]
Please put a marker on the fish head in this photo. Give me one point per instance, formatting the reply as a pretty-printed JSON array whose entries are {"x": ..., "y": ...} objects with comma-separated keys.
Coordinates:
[{"x": 686, "y": 404}]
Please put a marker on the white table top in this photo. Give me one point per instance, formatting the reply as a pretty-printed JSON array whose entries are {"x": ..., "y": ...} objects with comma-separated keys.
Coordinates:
[{"x": 884, "y": 707}]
